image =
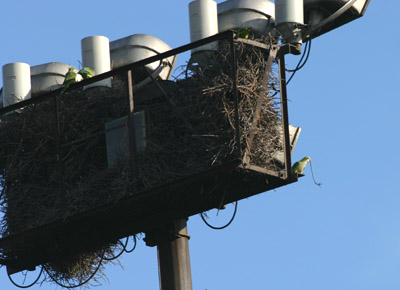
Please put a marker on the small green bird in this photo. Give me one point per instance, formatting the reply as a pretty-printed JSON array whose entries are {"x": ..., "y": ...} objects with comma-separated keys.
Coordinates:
[
  {"x": 86, "y": 72},
  {"x": 69, "y": 79},
  {"x": 243, "y": 32},
  {"x": 299, "y": 166}
]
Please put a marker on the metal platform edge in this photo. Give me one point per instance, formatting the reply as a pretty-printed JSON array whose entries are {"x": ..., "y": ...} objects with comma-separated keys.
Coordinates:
[{"x": 135, "y": 214}]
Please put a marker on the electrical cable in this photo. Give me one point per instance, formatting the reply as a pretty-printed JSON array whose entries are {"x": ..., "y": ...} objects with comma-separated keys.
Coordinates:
[
  {"x": 81, "y": 283},
  {"x": 308, "y": 43},
  {"x": 300, "y": 65},
  {"x": 134, "y": 247},
  {"x": 225, "y": 226},
  {"x": 120, "y": 253},
  {"x": 124, "y": 249},
  {"x": 27, "y": 286}
]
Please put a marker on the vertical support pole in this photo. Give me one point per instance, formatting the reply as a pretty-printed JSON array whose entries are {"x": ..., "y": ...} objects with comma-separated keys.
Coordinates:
[
  {"x": 235, "y": 94},
  {"x": 285, "y": 115},
  {"x": 131, "y": 123},
  {"x": 172, "y": 243},
  {"x": 174, "y": 259}
]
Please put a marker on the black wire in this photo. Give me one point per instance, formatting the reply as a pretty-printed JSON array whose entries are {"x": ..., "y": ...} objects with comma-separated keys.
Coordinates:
[
  {"x": 124, "y": 246},
  {"x": 120, "y": 253},
  {"x": 81, "y": 283},
  {"x": 308, "y": 55},
  {"x": 301, "y": 59},
  {"x": 225, "y": 226},
  {"x": 301, "y": 65},
  {"x": 27, "y": 286},
  {"x": 134, "y": 247}
]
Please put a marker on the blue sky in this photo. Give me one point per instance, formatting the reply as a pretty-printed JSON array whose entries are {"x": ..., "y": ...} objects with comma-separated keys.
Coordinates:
[{"x": 344, "y": 235}]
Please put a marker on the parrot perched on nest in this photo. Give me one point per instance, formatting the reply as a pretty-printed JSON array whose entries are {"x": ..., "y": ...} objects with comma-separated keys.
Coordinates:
[
  {"x": 299, "y": 166},
  {"x": 69, "y": 79},
  {"x": 86, "y": 72},
  {"x": 243, "y": 32}
]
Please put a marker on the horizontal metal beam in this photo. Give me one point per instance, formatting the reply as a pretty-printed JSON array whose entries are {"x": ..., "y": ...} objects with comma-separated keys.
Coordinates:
[{"x": 121, "y": 70}]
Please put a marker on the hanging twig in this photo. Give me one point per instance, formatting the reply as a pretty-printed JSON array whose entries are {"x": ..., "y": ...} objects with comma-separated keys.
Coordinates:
[{"x": 312, "y": 173}]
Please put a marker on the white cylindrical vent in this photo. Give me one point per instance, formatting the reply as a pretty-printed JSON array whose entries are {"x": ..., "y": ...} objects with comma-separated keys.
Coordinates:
[
  {"x": 96, "y": 55},
  {"x": 258, "y": 15},
  {"x": 16, "y": 83},
  {"x": 289, "y": 16},
  {"x": 289, "y": 11},
  {"x": 47, "y": 77},
  {"x": 203, "y": 19},
  {"x": 136, "y": 47}
]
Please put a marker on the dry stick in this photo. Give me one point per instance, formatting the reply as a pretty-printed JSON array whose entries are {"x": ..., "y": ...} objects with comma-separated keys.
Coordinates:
[{"x": 312, "y": 173}]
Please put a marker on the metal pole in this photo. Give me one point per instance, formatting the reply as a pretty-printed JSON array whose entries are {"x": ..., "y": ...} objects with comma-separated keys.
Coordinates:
[
  {"x": 285, "y": 114},
  {"x": 235, "y": 95},
  {"x": 172, "y": 243},
  {"x": 131, "y": 123}
]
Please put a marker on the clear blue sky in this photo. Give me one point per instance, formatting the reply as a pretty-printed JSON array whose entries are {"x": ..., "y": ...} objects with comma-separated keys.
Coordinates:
[{"x": 345, "y": 235}]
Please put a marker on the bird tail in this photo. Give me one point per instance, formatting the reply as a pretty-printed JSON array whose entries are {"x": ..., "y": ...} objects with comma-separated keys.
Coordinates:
[{"x": 63, "y": 90}]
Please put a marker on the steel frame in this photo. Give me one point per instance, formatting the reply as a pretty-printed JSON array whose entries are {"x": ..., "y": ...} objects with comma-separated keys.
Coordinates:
[{"x": 36, "y": 246}]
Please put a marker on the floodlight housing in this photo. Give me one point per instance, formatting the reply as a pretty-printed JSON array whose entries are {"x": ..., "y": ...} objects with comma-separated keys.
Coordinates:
[
  {"x": 289, "y": 19},
  {"x": 321, "y": 16}
]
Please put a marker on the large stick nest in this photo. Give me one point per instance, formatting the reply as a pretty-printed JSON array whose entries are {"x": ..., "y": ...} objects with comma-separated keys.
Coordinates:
[{"x": 191, "y": 127}]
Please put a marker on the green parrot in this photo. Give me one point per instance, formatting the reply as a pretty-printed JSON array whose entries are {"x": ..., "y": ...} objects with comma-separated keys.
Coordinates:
[
  {"x": 299, "y": 166},
  {"x": 69, "y": 79},
  {"x": 86, "y": 72},
  {"x": 243, "y": 32}
]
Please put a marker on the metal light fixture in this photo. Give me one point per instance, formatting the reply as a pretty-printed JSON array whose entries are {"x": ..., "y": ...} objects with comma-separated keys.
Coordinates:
[
  {"x": 321, "y": 16},
  {"x": 289, "y": 19},
  {"x": 301, "y": 20}
]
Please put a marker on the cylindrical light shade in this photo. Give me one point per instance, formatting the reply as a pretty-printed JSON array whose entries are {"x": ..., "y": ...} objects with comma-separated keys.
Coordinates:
[
  {"x": 203, "y": 18},
  {"x": 258, "y": 15},
  {"x": 289, "y": 18},
  {"x": 16, "y": 83},
  {"x": 289, "y": 11},
  {"x": 96, "y": 55},
  {"x": 47, "y": 77},
  {"x": 136, "y": 47},
  {"x": 322, "y": 16}
]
